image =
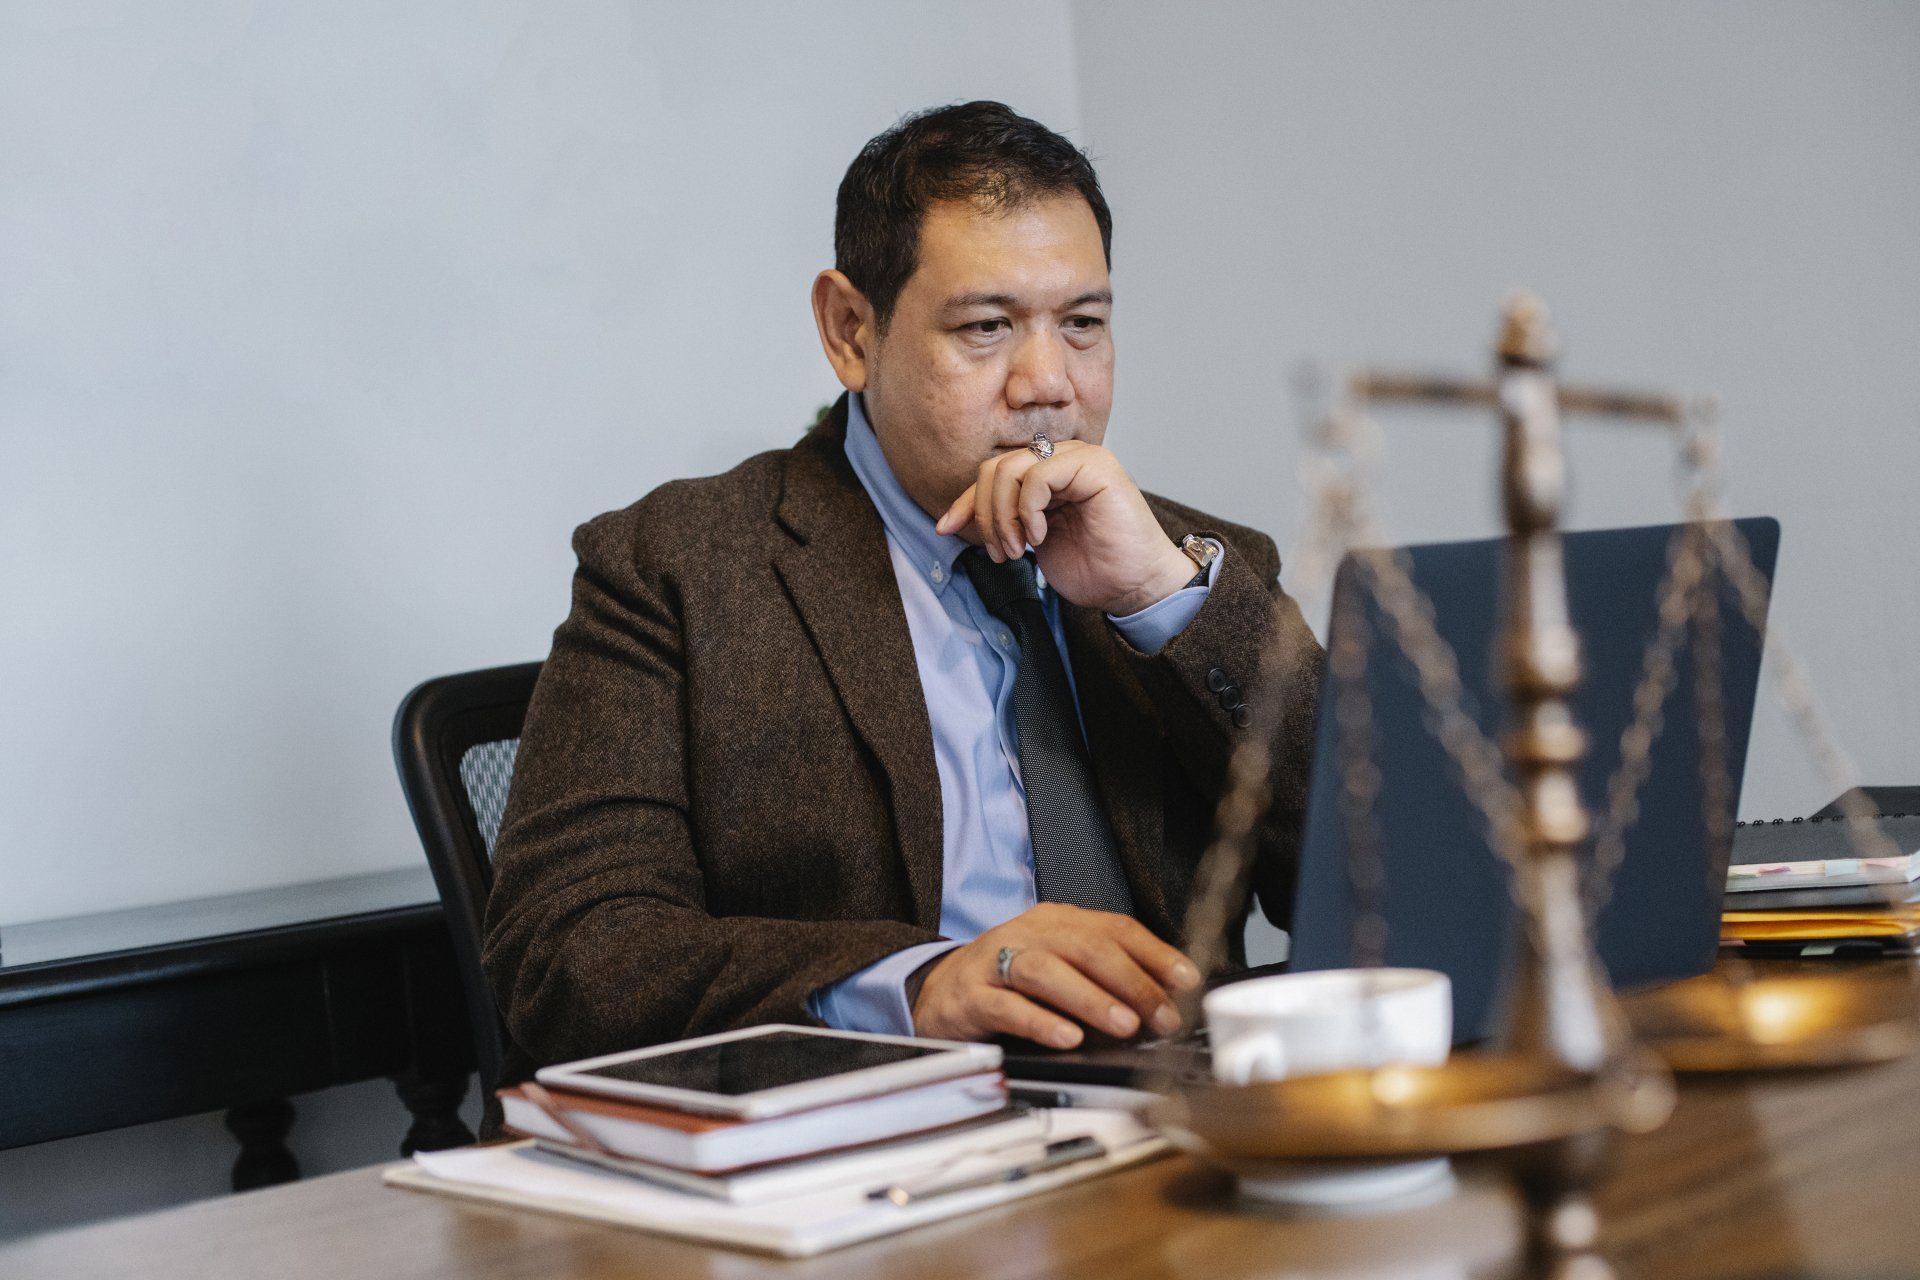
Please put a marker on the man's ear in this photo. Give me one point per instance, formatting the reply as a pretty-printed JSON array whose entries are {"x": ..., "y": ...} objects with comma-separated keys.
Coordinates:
[{"x": 845, "y": 320}]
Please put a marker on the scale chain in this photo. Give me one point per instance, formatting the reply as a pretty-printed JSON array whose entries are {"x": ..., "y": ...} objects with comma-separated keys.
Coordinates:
[{"x": 1688, "y": 560}]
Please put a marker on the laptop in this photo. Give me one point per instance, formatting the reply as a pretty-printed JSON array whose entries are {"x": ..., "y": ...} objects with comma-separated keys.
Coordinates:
[{"x": 1445, "y": 897}]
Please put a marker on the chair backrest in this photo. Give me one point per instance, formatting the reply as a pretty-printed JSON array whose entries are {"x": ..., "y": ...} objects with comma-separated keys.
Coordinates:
[{"x": 454, "y": 740}]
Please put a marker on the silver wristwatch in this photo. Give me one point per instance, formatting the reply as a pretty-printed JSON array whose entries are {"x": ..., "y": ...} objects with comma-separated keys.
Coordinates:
[{"x": 1202, "y": 553}]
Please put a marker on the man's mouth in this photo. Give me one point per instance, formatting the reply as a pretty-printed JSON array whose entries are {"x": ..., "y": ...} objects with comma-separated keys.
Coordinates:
[{"x": 1057, "y": 437}]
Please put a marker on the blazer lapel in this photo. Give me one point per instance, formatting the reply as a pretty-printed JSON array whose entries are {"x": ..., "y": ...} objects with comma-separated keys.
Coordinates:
[
  {"x": 1124, "y": 740},
  {"x": 840, "y": 579}
]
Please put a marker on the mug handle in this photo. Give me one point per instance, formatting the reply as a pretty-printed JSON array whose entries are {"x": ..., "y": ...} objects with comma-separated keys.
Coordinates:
[{"x": 1250, "y": 1058}]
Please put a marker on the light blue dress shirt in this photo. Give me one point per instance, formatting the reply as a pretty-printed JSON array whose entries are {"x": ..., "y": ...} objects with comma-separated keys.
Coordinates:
[{"x": 967, "y": 660}]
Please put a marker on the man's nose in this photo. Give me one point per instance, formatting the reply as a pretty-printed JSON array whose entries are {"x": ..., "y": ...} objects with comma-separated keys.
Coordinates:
[{"x": 1039, "y": 373}]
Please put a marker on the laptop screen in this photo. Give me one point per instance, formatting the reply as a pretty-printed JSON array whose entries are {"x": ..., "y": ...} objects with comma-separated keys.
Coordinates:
[{"x": 1445, "y": 898}]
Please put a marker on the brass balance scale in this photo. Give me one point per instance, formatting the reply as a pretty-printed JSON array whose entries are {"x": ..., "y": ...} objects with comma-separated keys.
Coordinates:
[{"x": 1572, "y": 1066}]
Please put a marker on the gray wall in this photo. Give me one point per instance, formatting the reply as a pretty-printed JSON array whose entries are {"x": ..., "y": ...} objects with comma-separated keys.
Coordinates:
[
  {"x": 321, "y": 326},
  {"x": 321, "y": 329},
  {"x": 1715, "y": 196}
]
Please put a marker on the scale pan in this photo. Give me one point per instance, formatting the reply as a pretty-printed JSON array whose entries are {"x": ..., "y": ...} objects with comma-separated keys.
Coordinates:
[
  {"x": 1471, "y": 1103},
  {"x": 1779, "y": 1021}
]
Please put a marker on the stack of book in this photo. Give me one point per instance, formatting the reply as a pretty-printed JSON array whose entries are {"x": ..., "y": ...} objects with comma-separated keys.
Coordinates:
[
  {"x": 782, "y": 1139},
  {"x": 753, "y": 1161},
  {"x": 1800, "y": 887}
]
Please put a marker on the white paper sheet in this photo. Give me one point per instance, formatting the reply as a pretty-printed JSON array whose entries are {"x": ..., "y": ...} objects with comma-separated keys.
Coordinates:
[{"x": 796, "y": 1227}]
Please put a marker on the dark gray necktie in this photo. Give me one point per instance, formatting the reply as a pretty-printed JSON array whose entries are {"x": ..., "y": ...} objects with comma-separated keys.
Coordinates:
[{"x": 1074, "y": 859}]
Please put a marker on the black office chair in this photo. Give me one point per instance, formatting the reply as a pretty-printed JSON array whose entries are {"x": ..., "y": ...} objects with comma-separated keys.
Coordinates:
[{"x": 454, "y": 740}]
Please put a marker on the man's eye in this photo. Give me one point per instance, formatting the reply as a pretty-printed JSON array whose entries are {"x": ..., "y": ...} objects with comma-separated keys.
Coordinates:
[
  {"x": 1085, "y": 324},
  {"x": 986, "y": 326}
]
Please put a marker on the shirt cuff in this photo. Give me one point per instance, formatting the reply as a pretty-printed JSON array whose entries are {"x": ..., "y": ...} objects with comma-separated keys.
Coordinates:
[
  {"x": 875, "y": 998},
  {"x": 1151, "y": 628}
]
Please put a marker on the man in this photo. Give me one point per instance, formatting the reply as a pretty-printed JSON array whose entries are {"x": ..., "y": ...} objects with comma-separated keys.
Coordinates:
[{"x": 821, "y": 740}]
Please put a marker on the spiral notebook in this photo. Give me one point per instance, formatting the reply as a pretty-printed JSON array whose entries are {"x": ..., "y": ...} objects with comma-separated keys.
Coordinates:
[
  {"x": 1819, "y": 853},
  {"x": 1802, "y": 887}
]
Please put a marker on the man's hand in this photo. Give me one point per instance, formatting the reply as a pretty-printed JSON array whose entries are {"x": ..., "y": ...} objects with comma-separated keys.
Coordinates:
[
  {"x": 1100, "y": 969},
  {"x": 1088, "y": 525}
]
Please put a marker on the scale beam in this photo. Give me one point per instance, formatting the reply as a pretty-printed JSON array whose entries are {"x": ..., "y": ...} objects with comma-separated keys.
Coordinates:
[{"x": 1375, "y": 387}]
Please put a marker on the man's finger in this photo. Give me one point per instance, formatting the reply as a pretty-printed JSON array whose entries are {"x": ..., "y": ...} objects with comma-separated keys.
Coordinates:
[
  {"x": 958, "y": 516},
  {"x": 1045, "y": 977},
  {"x": 983, "y": 514},
  {"x": 1038, "y": 488},
  {"x": 1113, "y": 968},
  {"x": 1005, "y": 527},
  {"x": 1033, "y": 525},
  {"x": 999, "y": 1010},
  {"x": 1165, "y": 963}
]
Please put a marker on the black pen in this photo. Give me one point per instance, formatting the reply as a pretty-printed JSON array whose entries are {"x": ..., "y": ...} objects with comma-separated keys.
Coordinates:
[
  {"x": 1058, "y": 1155},
  {"x": 1033, "y": 1097}
]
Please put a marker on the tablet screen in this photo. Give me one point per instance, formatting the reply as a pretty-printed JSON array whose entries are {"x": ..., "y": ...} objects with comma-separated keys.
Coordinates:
[{"x": 753, "y": 1063}]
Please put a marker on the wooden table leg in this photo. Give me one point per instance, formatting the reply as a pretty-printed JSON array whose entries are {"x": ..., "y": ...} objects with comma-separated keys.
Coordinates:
[
  {"x": 434, "y": 1104},
  {"x": 264, "y": 1159}
]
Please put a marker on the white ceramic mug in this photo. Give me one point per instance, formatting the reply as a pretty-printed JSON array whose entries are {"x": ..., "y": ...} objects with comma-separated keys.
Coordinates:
[{"x": 1299, "y": 1024}]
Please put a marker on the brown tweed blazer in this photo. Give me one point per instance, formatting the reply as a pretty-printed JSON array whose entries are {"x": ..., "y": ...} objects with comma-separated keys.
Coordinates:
[{"x": 726, "y": 796}]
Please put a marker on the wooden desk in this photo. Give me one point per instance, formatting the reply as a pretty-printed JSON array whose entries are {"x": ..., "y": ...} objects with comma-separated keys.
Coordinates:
[
  {"x": 234, "y": 1002},
  {"x": 1808, "y": 1174}
]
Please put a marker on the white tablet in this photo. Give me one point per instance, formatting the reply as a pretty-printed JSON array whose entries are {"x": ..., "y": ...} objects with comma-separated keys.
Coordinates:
[{"x": 771, "y": 1070}]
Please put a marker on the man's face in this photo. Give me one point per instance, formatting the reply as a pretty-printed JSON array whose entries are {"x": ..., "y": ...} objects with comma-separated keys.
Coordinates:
[{"x": 1001, "y": 331}]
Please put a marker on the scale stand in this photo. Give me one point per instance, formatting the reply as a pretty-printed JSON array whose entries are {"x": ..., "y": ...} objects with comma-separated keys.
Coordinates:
[{"x": 1565, "y": 1073}]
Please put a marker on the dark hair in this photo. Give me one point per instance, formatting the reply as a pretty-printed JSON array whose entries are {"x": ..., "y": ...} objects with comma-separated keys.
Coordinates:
[{"x": 983, "y": 152}]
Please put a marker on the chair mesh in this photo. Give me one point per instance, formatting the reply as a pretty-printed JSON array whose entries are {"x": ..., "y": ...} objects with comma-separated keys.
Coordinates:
[{"x": 486, "y": 770}]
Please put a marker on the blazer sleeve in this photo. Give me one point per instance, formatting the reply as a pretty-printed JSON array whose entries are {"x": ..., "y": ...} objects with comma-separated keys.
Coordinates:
[
  {"x": 1245, "y": 610},
  {"x": 598, "y": 936}
]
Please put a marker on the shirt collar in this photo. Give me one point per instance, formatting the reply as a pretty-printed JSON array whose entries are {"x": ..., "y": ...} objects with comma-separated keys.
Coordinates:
[{"x": 911, "y": 528}]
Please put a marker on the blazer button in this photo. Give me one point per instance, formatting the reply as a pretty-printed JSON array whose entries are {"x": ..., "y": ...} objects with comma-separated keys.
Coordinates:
[
  {"x": 1230, "y": 697},
  {"x": 1217, "y": 680},
  {"x": 1242, "y": 716}
]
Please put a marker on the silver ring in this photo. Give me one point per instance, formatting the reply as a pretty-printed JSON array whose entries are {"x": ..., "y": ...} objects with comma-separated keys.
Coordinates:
[
  {"x": 1004, "y": 964},
  {"x": 1042, "y": 448}
]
